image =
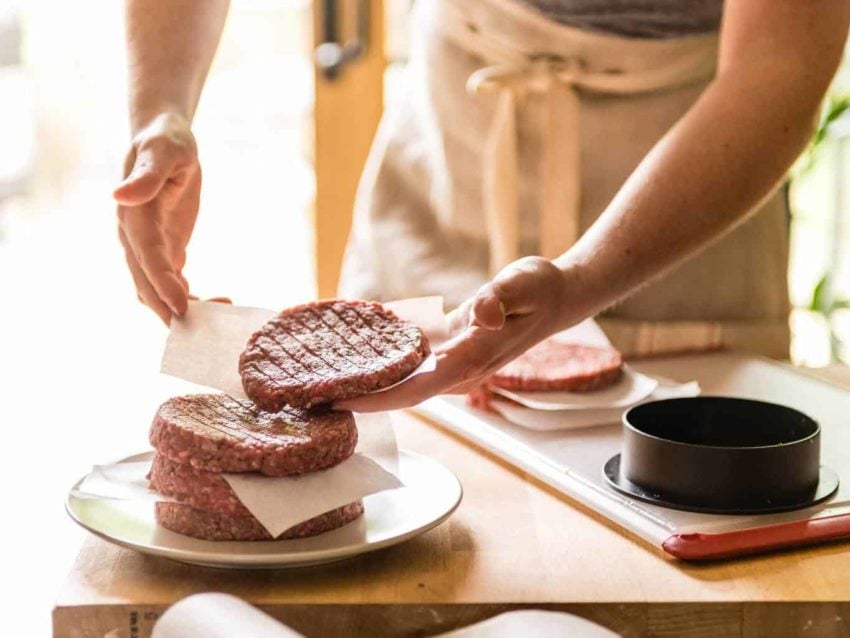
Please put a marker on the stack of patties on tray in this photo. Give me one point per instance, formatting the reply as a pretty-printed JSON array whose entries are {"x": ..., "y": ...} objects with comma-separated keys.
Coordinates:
[
  {"x": 553, "y": 366},
  {"x": 305, "y": 357}
]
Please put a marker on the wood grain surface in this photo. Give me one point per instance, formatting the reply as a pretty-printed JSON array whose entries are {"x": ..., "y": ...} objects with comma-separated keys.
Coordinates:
[{"x": 513, "y": 543}]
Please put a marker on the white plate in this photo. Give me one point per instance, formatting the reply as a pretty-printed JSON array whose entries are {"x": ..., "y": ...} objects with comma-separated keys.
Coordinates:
[{"x": 430, "y": 495}]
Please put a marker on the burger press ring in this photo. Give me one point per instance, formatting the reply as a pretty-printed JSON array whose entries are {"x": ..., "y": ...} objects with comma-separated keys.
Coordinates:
[{"x": 721, "y": 455}]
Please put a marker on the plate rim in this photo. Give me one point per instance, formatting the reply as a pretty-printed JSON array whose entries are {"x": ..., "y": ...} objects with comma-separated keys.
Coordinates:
[{"x": 279, "y": 560}]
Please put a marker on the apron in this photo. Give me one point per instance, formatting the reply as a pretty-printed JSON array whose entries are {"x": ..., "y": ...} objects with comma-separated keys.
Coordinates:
[{"x": 514, "y": 134}]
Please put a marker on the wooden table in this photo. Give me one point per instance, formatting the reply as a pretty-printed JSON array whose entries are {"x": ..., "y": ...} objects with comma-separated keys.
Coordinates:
[{"x": 513, "y": 543}]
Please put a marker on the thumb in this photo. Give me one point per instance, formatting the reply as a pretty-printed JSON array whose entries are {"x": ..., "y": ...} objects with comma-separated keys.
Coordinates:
[
  {"x": 145, "y": 181},
  {"x": 488, "y": 310},
  {"x": 518, "y": 289}
]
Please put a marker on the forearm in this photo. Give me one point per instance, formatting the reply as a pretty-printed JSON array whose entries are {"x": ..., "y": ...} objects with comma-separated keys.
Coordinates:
[
  {"x": 707, "y": 175},
  {"x": 728, "y": 153},
  {"x": 170, "y": 46}
]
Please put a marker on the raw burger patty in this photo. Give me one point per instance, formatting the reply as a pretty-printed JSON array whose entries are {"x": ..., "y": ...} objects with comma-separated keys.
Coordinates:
[
  {"x": 216, "y": 433},
  {"x": 555, "y": 366},
  {"x": 328, "y": 350},
  {"x": 200, "y": 489},
  {"x": 212, "y": 526},
  {"x": 481, "y": 398}
]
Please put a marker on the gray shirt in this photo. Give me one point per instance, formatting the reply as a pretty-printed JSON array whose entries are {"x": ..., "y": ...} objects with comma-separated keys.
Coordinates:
[{"x": 636, "y": 18}]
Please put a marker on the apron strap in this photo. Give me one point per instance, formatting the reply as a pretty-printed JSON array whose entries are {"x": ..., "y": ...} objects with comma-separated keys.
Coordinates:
[{"x": 559, "y": 80}]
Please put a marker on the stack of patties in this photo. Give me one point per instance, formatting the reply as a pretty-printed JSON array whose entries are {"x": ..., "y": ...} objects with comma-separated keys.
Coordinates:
[
  {"x": 198, "y": 437},
  {"x": 292, "y": 368}
]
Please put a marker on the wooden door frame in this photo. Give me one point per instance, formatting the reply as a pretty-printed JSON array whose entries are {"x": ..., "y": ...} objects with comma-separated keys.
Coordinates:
[{"x": 347, "y": 111}]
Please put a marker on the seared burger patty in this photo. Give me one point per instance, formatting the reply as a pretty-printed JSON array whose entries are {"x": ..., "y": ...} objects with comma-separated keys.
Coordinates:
[
  {"x": 215, "y": 433},
  {"x": 554, "y": 366},
  {"x": 200, "y": 489},
  {"x": 329, "y": 350},
  {"x": 213, "y": 526}
]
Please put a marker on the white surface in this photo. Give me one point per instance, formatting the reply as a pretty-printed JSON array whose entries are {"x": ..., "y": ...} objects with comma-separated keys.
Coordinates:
[
  {"x": 215, "y": 615},
  {"x": 572, "y": 461},
  {"x": 533, "y": 622},
  {"x": 430, "y": 494}
]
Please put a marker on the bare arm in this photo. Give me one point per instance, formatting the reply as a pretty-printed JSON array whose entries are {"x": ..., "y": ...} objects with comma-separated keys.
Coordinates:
[
  {"x": 705, "y": 176},
  {"x": 725, "y": 155},
  {"x": 170, "y": 48}
]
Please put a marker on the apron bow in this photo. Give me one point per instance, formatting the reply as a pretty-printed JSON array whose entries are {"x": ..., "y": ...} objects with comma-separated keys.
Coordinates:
[{"x": 560, "y": 170}]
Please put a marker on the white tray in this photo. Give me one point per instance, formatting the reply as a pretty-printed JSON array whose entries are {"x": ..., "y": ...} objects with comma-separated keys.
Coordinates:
[{"x": 572, "y": 461}]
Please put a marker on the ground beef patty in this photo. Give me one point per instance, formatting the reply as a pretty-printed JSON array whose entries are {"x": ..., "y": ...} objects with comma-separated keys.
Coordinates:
[
  {"x": 214, "y": 526},
  {"x": 555, "y": 366},
  {"x": 216, "y": 433},
  {"x": 197, "y": 488},
  {"x": 329, "y": 350}
]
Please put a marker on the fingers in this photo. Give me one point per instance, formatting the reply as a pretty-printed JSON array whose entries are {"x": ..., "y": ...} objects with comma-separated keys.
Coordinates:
[
  {"x": 144, "y": 239},
  {"x": 226, "y": 300},
  {"x": 461, "y": 363},
  {"x": 405, "y": 395},
  {"x": 146, "y": 292}
]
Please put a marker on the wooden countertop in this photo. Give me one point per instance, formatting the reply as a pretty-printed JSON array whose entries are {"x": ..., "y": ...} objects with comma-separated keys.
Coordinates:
[{"x": 512, "y": 543}]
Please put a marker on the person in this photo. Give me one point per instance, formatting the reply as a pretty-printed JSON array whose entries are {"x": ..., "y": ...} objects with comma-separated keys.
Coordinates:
[{"x": 552, "y": 160}]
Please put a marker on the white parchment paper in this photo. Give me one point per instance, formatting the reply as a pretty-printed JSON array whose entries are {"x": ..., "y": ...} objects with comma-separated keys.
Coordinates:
[
  {"x": 204, "y": 345},
  {"x": 551, "y": 420},
  {"x": 630, "y": 389},
  {"x": 548, "y": 411}
]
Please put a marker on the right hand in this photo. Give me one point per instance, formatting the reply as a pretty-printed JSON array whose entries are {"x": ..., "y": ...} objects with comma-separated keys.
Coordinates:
[
  {"x": 527, "y": 301},
  {"x": 157, "y": 207}
]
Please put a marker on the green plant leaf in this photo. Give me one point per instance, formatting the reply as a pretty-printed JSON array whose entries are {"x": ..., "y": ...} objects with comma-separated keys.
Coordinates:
[{"x": 819, "y": 302}]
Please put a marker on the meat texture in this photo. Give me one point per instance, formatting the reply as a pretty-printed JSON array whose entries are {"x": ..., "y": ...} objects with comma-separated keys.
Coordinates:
[
  {"x": 215, "y": 433},
  {"x": 329, "y": 350},
  {"x": 555, "y": 366},
  {"x": 215, "y": 526}
]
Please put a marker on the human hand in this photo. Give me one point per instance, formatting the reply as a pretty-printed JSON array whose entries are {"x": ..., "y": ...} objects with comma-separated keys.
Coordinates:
[
  {"x": 157, "y": 207},
  {"x": 525, "y": 303}
]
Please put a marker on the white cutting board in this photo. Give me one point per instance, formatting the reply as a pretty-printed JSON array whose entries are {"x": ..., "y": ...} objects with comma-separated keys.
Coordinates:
[{"x": 572, "y": 461}]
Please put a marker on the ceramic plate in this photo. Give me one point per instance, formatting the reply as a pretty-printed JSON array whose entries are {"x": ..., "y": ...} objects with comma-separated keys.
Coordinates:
[{"x": 430, "y": 495}]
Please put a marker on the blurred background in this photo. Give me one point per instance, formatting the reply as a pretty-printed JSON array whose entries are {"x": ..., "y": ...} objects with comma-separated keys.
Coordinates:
[{"x": 70, "y": 319}]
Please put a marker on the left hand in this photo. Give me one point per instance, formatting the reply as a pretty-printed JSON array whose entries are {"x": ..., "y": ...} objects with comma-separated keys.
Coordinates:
[{"x": 525, "y": 303}]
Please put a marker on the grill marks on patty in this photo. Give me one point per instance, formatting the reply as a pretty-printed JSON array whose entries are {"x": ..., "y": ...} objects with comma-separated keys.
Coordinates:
[
  {"x": 198, "y": 437},
  {"x": 216, "y": 433},
  {"x": 329, "y": 350}
]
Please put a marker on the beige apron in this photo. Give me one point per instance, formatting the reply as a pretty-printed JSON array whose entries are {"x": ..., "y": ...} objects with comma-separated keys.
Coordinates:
[{"x": 514, "y": 134}]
